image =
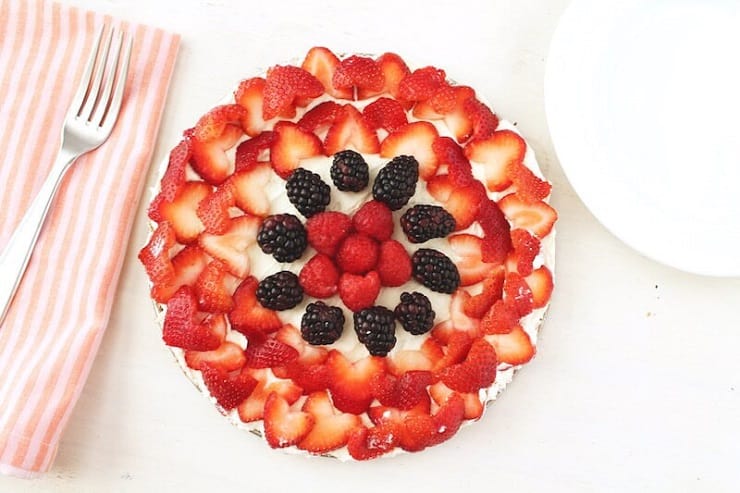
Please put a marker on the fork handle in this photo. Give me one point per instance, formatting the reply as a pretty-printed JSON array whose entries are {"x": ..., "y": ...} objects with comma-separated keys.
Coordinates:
[{"x": 14, "y": 258}]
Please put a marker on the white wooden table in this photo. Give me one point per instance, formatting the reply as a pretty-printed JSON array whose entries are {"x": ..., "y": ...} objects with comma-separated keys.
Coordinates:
[{"x": 636, "y": 386}]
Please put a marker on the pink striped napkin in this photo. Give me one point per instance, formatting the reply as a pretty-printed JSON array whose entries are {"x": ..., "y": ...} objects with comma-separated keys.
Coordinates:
[{"x": 55, "y": 324}]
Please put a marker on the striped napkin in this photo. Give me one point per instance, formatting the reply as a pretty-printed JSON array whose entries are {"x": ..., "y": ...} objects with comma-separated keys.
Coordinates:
[{"x": 56, "y": 322}]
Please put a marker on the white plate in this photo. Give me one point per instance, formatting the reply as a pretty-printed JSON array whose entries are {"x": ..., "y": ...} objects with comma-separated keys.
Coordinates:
[{"x": 643, "y": 104}]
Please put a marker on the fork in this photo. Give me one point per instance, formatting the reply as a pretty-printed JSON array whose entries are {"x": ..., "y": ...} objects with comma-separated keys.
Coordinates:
[{"x": 88, "y": 123}]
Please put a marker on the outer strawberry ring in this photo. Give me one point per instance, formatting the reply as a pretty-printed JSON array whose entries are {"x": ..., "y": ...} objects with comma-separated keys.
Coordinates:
[{"x": 485, "y": 395}]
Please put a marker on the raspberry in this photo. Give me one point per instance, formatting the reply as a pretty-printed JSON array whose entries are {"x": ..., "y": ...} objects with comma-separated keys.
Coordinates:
[
  {"x": 415, "y": 313},
  {"x": 326, "y": 230},
  {"x": 349, "y": 171},
  {"x": 394, "y": 264},
  {"x": 358, "y": 292},
  {"x": 322, "y": 324},
  {"x": 376, "y": 329},
  {"x": 357, "y": 254},
  {"x": 319, "y": 277},
  {"x": 374, "y": 219},
  {"x": 424, "y": 222},
  {"x": 282, "y": 236},
  {"x": 307, "y": 192},
  {"x": 435, "y": 270},
  {"x": 280, "y": 291},
  {"x": 396, "y": 182}
]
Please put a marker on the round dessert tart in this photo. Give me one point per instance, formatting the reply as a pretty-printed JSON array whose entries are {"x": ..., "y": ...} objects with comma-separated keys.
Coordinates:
[{"x": 351, "y": 257}]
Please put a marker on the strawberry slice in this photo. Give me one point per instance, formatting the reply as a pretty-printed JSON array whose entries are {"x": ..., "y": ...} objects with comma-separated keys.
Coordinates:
[
  {"x": 250, "y": 152},
  {"x": 283, "y": 85},
  {"x": 211, "y": 125},
  {"x": 214, "y": 288},
  {"x": 209, "y": 157},
  {"x": 227, "y": 357},
  {"x": 358, "y": 291},
  {"x": 181, "y": 326},
  {"x": 514, "y": 348},
  {"x": 447, "y": 419},
  {"x": 394, "y": 71},
  {"x": 458, "y": 345},
  {"x": 308, "y": 354},
  {"x": 291, "y": 144},
  {"x": 385, "y": 113},
  {"x": 331, "y": 429},
  {"x": 359, "y": 72},
  {"x": 529, "y": 187},
  {"x": 253, "y": 408},
  {"x": 187, "y": 265},
  {"x": 496, "y": 232},
  {"x": 541, "y": 284},
  {"x": 421, "y": 84},
  {"x": 284, "y": 427},
  {"x": 470, "y": 265},
  {"x": 322, "y": 63},
  {"x": 181, "y": 213},
  {"x": 350, "y": 382},
  {"x": 365, "y": 444},
  {"x": 268, "y": 353},
  {"x": 319, "y": 277},
  {"x": 248, "y": 316},
  {"x": 172, "y": 180},
  {"x": 232, "y": 246},
  {"x": 408, "y": 360},
  {"x": 501, "y": 318},
  {"x": 441, "y": 393},
  {"x": 460, "y": 320},
  {"x": 351, "y": 130},
  {"x": 458, "y": 167},
  {"x": 501, "y": 150},
  {"x": 440, "y": 187},
  {"x": 477, "y": 371},
  {"x": 320, "y": 117},
  {"x": 538, "y": 217},
  {"x": 250, "y": 96},
  {"x": 464, "y": 204},
  {"x": 228, "y": 391},
  {"x": 414, "y": 426},
  {"x": 327, "y": 230},
  {"x": 518, "y": 293},
  {"x": 526, "y": 247},
  {"x": 493, "y": 285},
  {"x": 248, "y": 187},
  {"x": 483, "y": 121},
  {"x": 414, "y": 139},
  {"x": 458, "y": 120},
  {"x": 404, "y": 392},
  {"x": 155, "y": 256}
]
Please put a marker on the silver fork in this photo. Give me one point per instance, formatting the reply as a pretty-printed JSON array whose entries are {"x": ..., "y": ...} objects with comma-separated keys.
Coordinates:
[{"x": 88, "y": 123}]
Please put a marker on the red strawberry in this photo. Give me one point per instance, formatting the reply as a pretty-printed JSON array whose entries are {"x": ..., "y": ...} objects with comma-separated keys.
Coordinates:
[
  {"x": 394, "y": 71},
  {"x": 458, "y": 167},
  {"x": 252, "y": 409},
  {"x": 476, "y": 306},
  {"x": 350, "y": 382},
  {"x": 211, "y": 125},
  {"x": 229, "y": 391},
  {"x": 365, "y": 444},
  {"x": 227, "y": 357},
  {"x": 408, "y": 360},
  {"x": 357, "y": 254},
  {"x": 380, "y": 415},
  {"x": 268, "y": 353},
  {"x": 291, "y": 144},
  {"x": 326, "y": 230},
  {"x": 394, "y": 264},
  {"x": 231, "y": 247},
  {"x": 249, "y": 189},
  {"x": 331, "y": 429},
  {"x": 385, "y": 113},
  {"x": 213, "y": 210},
  {"x": 471, "y": 267},
  {"x": 250, "y": 95},
  {"x": 181, "y": 327},
  {"x": 405, "y": 392},
  {"x": 421, "y": 84},
  {"x": 360, "y": 72},
  {"x": 248, "y": 316},
  {"x": 526, "y": 247},
  {"x": 496, "y": 230},
  {"x": 214, "y": 288},
  {"x": 440, "y": 187},
  {"x": 477, "y": 371},
  {"x": 374, "y": 219},
  {"x": 538, "y": 218},
  {"x": 249, "y": 152},
  {"x": 441, "y": 393},
  {"x": 518, "y": 293},
  {"x": 458, "y": 347},
  {"x": 414, "y": 139},
  {"x": 209, "y": 158},
  {"x": 540, "y": 282},
  {"x": 460, "y": 320},
  {"x": 500, "y": 318},
  {"x": 155, "y": 256},
  {"x": 283, "y": 85},
  {"x": 514, "y": 348},
  {"x": 181, "y": 212},
  {"x": 351, "y": 130},
  {"x": 310, "y": 378},
  {"x": 172, "y": 180},
  {"x": 319, "y": 117},
  {"x": 529, "y": 187},
  {"x": 357, "y": 291},
  {"x": 284, "y": 427},
  {"x": 322, "y": 63},
  {"x": 458, "y": 120},
  {"x": 497, "y": 153},
  {"x": 319, "y": 277},
  {"x": 464, "y": 204},
  {"x": 187, "y": 264},
  {"x": 307, "y": 354},
  {"x": 447, "y": 419},
  {"x": 483, "y": 120}
]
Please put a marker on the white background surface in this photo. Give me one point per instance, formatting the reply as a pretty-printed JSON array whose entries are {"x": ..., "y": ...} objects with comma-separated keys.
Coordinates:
[{"x": 636, "y": 386}]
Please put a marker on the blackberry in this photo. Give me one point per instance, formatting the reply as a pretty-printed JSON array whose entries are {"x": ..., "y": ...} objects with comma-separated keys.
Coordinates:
[
  {"x": 435, "y": 270},
  {"x": 349, "y": 171},
  {"x": 415, "y": 313},
  {"x": 280, "y": 291},
  {"x": 282, "y": 236},
  {"x": 376, "y": 329},
  {"x": 424, "y": 222},
  {"x": 307, "y": 192},
  {"x": 322, "y": 324},
  {"x": 396, "y": 182}
]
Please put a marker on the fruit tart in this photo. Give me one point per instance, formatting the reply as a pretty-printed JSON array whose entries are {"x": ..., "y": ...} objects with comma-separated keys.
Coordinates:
[{"x": 351, "y": 257}]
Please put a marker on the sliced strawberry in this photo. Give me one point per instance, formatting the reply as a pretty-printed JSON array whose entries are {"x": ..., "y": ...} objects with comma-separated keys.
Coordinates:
[
  {"x": 252, "y": 409},
  {"x": 394, "y": 264},
  {"x": 483, "y": 120},
  {"x": 249, "y": 189},
  {"x": 518, "y": 293},
  {"x": 250, "y": 96},
  {"x": 228, "y": 391},
  {"x": 458, "y": 167},
  {"x": 319, "y": 277},
  {"x": 172, "y": 180},
  {"x": 414, "y": 139},
  {"x": 283, "y": 85},
  {"x": 538, "y": 218},
  {"x": 394, "y": 71},
  {"x": 421, "y": 84},
  {"x": 320, "y": 117},
  {"x": 310, "y": 378},
  {"x": 501, "y": 318},
  {"x": 209, "y": 158},
  {"x": 308, "y": 354},
  {"x": 357, "y": 254},
  {"x": 359, "y": 72},
  {"x": 541, "y": 284},
  {"x": 458, "y": 120},
  {"x": 211, "y": 125},
  {"x": 291, "y": 144},
  {"x": 526, "y": 247},
  {"x": 380, "y": 415},
  {"x": 248, "y": 316},
  {"x": 359, "y": 291},
  {"x": 322, "y": 63},
  {"x": 460, "y": 320},
  {"x": 268, "y": 353},
  {"x": 188, "y": 264},
  {"x": 231, "y": 247},
  {"x": 351, "y": 130},
  {"x": 464, "y": 204},
  {"x": 529, "y": 187},
  {"x": 458, "y": 346},
  {"x": 331, "y": 429},
  {"x": 477, "y": 371},
  {"x": 155, "y": 256},
  {"x": 284, "y": 427},
  {"x": 214, "y": 209},
  {"x": 385, "y": 113},
  {"x": 496, "y": 232},
  {"x": 327, "y": 230},
  {"x": 447, "y": 419},
  {"x": 412, "y": 388},
  {"x": 251, "y": 151},
  {"x": 181, "y": 213},
  {"x": 432, "y": 350},
  {"x": 502, "y": 149},
  {"x": 478, "y": 305},
  {"x": 514, "y": 348},
  {"x": 365, "y": 444},
  {"x": 473, "y": 406},
  {"x": 214, "y": 288},
  {"x": 227, "y": 357},
  {"x": 408, "y": 360},
  {"x": 350, "y": 382},
  {"x": 440, "y": 187},
  {"x": 181, "y": 327},
  {"x": 471, "y": 267}
]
